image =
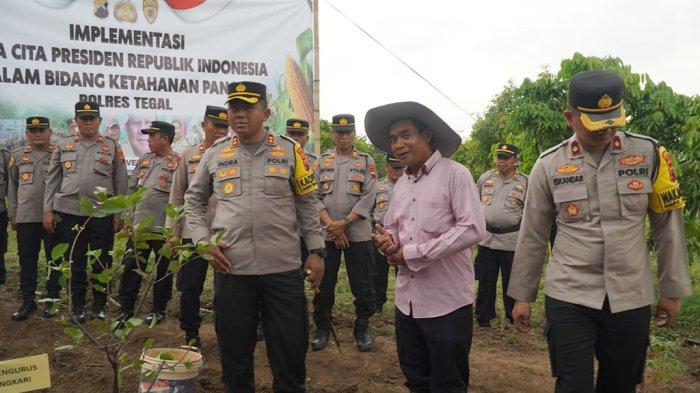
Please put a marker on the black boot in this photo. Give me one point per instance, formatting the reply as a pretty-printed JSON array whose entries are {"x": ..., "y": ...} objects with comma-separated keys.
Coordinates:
[
  {"x": 49, "y": 310},
  {"x": 158, "y": 316},
  {"x": 362, "y": 337},
  {"x": 192, "y": 339},
  {"x": 28, "y": 307},
  {"x": 320, "y": 339}
]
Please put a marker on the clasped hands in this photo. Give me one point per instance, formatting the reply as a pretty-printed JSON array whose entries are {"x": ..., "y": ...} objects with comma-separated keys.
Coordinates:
[{"x": 385, "y": 245}]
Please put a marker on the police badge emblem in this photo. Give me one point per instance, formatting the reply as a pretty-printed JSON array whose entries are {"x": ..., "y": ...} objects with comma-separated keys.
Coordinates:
[
  {"x": 100, "y": 8},
  {"x": 124, "y": 11},
  {"x": 150, "y": 10}
]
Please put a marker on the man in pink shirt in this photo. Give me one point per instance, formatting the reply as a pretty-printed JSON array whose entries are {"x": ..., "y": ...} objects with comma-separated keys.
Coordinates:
[{"x": 432, "y": 223}]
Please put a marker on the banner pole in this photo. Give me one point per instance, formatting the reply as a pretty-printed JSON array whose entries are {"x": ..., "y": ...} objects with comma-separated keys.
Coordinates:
[{"x": 316, "y": 84}]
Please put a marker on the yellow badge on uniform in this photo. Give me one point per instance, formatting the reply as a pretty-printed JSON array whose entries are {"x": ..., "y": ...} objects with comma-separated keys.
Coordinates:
[
  {"x": 666, "y": 192},
  {"x": 304, "y": 181}
]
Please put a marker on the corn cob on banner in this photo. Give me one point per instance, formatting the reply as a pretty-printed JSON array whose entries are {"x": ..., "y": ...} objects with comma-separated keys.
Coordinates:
[{"x": 145, "y": 60}]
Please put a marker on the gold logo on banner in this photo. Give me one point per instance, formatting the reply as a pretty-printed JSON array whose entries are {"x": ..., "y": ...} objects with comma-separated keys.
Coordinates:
[
  {"x": 100, "y": 8},
  {"x": 150, "y": 10},
  {"x": 124, "y": 11}
]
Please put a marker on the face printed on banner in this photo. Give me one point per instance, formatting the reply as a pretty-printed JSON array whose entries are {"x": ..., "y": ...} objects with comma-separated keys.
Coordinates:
[
  {"x": 138, "y": 141},
  {"x": 179, "y": 130},
  {"x": 113, "y": 129}
]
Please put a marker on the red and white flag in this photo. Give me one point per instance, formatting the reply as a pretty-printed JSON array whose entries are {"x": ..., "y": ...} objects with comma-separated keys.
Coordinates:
[{"x": 197, "y": 10}]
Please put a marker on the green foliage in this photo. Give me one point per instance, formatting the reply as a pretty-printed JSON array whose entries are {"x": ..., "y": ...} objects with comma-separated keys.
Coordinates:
[
  {"x": 530, "y": 115},
  {"x": 663, "y": 358}
]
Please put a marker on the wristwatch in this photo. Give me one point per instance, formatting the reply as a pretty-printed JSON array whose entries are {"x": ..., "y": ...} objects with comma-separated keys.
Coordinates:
[
  {"x": 347, "y": 221},
  {"x": 321, "y": 252}
]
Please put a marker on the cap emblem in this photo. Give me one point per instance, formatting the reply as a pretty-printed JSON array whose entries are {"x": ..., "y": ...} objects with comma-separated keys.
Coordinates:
[{"x": 604, "y": 102}]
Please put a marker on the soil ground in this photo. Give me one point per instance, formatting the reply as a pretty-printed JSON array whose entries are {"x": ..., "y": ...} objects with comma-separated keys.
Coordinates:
[{"x": 501, "y": 360}]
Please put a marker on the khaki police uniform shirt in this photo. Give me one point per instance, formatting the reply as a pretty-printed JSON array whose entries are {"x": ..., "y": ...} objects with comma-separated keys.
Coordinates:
[
  {"x": 600, "y": 248},
  {"x": 260, "y": 204},
  {"x": 503, "y": 201},
  {"x": 28, "y": 168},
  {"x": 348, "y": 184},
  {"x": 78, "y": 166},
  {"x": 181, "y": 180},
  {"x": 155, "y": 174},
  {"x": 4, "y": 163},
  {"x": 385, "y": 189}
]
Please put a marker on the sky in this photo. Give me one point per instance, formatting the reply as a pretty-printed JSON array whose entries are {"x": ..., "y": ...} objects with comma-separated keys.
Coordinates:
[{"x": 471, "y": 50}]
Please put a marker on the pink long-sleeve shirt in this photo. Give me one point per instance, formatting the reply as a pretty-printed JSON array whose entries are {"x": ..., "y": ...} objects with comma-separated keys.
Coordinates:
[{"x": 436, "y": 217}]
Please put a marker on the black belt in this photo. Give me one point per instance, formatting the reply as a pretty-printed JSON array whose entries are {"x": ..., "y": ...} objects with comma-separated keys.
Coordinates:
[{"x": 499, "y": 230}]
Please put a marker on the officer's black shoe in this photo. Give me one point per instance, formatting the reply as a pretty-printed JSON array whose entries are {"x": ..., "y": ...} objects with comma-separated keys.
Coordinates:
[
  {"x": 158, "y": 316},
  {"x": 24, "y": 311},
  {"x": 260, "y": 332},
  {"x": 98, "y": 314},
  {"x": 320, "y": 339},
  {"x": 79, "y": 316},
  {"x": 48, "y": 310},
  {"x": 362, "y": 337}
]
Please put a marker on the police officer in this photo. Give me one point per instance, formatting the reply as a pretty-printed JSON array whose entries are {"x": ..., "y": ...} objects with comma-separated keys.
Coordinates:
[
  {"x": 600, "y": 185},
  {"x": 348, "y": 188},
  {"x": 154, "y": 172},
  {"x": 191, "y": 276},
  {"x": 4, "y": 162},
  {"x": 264, "y": 190},
  {"x": 385, "y": 188},
  {"x": 298, "y": 129},
  {"x": 28, "y": 166},
  {"x": 80, "y": 163},
  {"x": 502, "y": 192}
]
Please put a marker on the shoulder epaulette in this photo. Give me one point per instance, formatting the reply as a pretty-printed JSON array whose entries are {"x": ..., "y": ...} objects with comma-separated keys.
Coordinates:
[
  {"x": 554, "y": 148},
  {"x": 327, "y": 152},
  {"x": 312, "y": 155},
  {"x": 221, "y": 140},
  {"x": 640, "y": 136},
  {"x": 288, "y": 139}
]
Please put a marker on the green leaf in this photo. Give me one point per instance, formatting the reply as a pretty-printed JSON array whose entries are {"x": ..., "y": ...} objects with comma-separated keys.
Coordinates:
[
  {"x": 58, "y": 251},
  {"x": 86, "y": 206},
  {"x": 164, "y": 355},
  {"x": 105, "y": 276},
  {"x": 148, "y": 344},
  {"x": 73, "y": 332},
  {"x": 135, "y": 321},
  {"x": 174, "y": 266},
  {"x": 115, "y": 204},
  {"x": 305, "y": 43}
]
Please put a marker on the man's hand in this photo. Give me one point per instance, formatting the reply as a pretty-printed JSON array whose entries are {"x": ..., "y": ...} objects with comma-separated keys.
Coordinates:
[
  {"x": 396, "y": 258},
  {"x": 220, "y": 263},
  {"x": 383, "y": 241},
  {"x": 313, "y": 270},
  {"x": 118, "y": 223},
  {"x": 341, "y": 241},
  {"x": 521, "y": 316},
  {"x": 336, "y": 228},
  {"x": 13, "y": 223},
  {"x": 49, "y": 222},
  {"x": 667, "y": 311}
]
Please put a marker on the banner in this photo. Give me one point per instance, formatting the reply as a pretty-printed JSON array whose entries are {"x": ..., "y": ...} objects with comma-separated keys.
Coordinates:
[{"x": 145, "y": 60}]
